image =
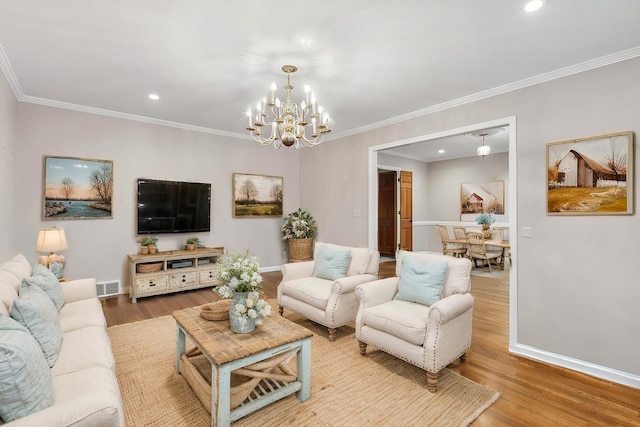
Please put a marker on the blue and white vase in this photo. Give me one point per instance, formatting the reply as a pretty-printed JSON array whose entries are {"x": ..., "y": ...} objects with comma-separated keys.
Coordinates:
[{"x": 240, "y": 324}]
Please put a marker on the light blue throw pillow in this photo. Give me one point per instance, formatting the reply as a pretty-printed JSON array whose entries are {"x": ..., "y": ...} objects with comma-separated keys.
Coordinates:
[
  {"x": 25, "y": 378},
  {"x": 43, "y": 278},
  {"x": 421, "y": 282},
  {"x": 331, "y": 264},
  {"x": 35, "y": 310}
]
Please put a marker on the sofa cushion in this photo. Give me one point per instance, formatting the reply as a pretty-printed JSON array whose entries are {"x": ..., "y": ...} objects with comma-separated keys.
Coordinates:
[
  {"x": 25, "y": 378},
  {"x": 330, "y": 263},
  {"x": 43, "y": 278},
  {"x": 458, "y": 278},
  {"x": 7, "y": 294},
  {"x": 421, "y": 282},
  {"x": 358, "y": 261},
  {"x": 402, "y": 319},
  {"x": 15, "y": 270},
  {"x": 35, "y": 310},
  {"x": 80, "y": 314},
  {"x": 83, "y": 349}
]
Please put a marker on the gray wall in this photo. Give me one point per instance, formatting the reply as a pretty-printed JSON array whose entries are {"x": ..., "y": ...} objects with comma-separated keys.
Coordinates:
[
  {"x": 8, "y": 118},
  {"x": 576, "y": 293},
  {"x": 99, "y": 248}
]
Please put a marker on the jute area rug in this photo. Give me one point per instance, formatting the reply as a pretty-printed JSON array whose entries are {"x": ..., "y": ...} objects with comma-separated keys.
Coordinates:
[{"x": 346, "y": 388}]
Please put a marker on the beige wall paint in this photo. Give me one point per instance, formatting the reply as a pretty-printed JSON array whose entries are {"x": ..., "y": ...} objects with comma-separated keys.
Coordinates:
[
  {"x": 99, "y": 248},
  {"x": 8, "y": 118},
  {"x": 576, "y": 292}
]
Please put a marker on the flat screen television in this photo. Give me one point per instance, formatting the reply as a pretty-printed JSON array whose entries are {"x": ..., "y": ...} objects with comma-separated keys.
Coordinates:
[{"x": 173, "y": 206}]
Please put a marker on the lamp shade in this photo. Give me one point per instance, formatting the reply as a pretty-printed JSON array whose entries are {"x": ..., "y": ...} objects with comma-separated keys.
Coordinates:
[
  {"x": 51, "y": 240},
  {"x": 484, "y": 150}
]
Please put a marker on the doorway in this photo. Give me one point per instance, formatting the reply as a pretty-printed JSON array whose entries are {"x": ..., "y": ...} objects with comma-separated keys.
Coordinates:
[
  {"x": 510, "y": 124},
  {"x": 395, "y": 210}
]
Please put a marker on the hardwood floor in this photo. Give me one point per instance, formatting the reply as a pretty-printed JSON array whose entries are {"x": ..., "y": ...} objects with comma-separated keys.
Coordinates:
[{"x": 532, "y": 393}]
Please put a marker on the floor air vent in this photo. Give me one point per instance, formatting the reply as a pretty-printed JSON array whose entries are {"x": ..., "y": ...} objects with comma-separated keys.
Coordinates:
[{"x": 106, "y": 289}]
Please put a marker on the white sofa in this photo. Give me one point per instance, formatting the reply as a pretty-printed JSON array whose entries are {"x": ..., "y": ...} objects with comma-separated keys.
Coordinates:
[
  {"x": 329, "y": 302},
  {"x": 85, "y": 389}
]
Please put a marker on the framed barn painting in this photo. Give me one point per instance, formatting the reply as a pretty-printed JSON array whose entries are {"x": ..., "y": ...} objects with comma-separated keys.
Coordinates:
[
  {"x": 481, "y": 197},
  {"x": 591, "y": 176},
  {"x": 76, "y": 188},
  {"x": 257, "y": 196}
]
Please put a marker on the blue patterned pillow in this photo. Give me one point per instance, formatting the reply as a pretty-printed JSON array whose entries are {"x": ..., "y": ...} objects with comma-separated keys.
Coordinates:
[
  {"x": 331, "y": 264},
  {"x": 25, "y": 378},
  {"x": 47, "y": 281},
  {"x": 421, "y": 282},
  {"x": 35, "y": 310}
]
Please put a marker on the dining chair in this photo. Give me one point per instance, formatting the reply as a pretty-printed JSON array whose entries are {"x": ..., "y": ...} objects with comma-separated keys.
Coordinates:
[
  {"x": 477, "y": 249},
  {"x": 449, "y": 247},
  {"x": 459, "y": 232}
]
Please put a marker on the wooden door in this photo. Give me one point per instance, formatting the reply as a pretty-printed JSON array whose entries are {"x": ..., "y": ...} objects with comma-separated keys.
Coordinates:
[
  {"x": 387, "y": 212},
  {"x": 406, "y": 211}
]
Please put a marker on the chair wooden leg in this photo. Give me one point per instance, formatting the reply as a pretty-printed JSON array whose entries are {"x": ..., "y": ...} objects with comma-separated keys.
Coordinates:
[
  {"x": 281, "y": 310},
  {"x": 489, "y": 262},
  {"x": 332, "y": 334},
  {"x": 432, "y": 381},
  {"x": 363, "y": 347}
]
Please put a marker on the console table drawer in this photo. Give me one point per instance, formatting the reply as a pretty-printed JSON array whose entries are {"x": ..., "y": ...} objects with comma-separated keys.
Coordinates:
[
  {"x": 151, "y": 284},
  {"x": 183, "y": 280},
  {"x": 209, "y": 277}
]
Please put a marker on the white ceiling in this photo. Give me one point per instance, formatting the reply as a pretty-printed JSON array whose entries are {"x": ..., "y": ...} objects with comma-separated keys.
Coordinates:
[{"x": 369, "y": 62}]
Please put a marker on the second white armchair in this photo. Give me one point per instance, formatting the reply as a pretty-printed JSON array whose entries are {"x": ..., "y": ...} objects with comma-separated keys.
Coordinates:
[{"x": 322, "y": 290}]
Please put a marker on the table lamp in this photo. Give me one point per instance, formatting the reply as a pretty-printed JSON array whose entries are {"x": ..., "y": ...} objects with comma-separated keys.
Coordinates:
[{"x": 52, "y": 240}]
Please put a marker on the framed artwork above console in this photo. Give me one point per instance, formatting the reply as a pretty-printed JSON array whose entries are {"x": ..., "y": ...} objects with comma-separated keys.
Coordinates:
[
  {"x": 257, "y": 195},
  {"x": 76, "y": 188}
]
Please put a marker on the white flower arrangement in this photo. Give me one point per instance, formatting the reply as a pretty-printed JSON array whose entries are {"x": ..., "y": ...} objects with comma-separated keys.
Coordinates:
[
  {"x": 298, "y": 225},
  {"x": 253, "y": 307},
  {"x": 239, "y": 273}
]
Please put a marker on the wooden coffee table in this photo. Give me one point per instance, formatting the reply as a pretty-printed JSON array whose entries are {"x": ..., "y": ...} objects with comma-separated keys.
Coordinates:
[{"x": 228, "y": 351}]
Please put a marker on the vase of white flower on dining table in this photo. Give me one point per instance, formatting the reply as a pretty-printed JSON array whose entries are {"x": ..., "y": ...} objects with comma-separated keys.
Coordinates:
[{"x": 240, "y": 280}]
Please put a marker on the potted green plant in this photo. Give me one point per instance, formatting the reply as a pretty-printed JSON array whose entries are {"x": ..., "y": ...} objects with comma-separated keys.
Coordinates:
[
  {"x": 299, "y": 228},
  {"x": 148, "y": 245},
  {"x": 192, "y": 243}
]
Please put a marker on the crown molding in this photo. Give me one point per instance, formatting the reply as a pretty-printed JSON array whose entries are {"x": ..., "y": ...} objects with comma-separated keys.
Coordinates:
[
  {"x": 531, "y": 81},
  {"x": 624, "y": 55},
  {"x": 6, "y": 68}
]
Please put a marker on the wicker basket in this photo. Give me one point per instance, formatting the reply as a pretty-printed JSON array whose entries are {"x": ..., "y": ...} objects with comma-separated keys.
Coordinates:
[
  {"x": 149, "y": 267},
  {"x": 218, "y": 310},
  {"x": 300, "y": 250}
]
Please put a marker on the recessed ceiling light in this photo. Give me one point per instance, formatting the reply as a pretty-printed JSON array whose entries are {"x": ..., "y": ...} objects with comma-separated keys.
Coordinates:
[
  {"x": 440, "y": 151},
  {"x": 533, "y": 5},
  {"x": 154, "y": 96}
]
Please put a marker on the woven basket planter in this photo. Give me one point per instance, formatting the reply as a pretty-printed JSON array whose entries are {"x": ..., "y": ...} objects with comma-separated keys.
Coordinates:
[
  {"x": 218, "y": 310},
  {"x": 300, "y": 250},
  {"x": 149, "y": 267}
]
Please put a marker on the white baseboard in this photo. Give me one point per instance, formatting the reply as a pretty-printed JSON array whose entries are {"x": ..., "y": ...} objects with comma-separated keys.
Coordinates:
[{"x": 588, "y": 368}]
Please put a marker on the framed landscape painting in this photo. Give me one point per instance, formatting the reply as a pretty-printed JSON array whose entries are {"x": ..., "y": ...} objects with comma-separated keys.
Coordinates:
[
  {"x": 481, "y": 197},
  {"x": 76, "y": 188},
  {"x": 257, "y": 196},
  {"x": 591, "y": 176}
]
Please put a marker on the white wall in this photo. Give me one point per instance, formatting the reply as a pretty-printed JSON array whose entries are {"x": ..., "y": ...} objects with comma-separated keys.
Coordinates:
[
  {"x": 8, "y": 118},
  {"x": 576, "y": 284},
  {"x": 98, "y": 248}
]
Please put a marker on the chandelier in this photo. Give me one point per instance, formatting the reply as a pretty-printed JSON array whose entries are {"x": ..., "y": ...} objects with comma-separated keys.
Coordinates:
[{"x": 287, "y": 123}]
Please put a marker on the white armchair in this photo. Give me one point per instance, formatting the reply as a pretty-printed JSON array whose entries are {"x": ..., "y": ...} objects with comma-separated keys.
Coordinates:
[
  {"x": 427, "y": 336},
  {"x": 328, "y": 301}
]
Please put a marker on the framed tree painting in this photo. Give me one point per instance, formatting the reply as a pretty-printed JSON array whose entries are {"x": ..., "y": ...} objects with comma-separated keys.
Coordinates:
[
  {"x": 591, "y": 176},
  {"x": 76, "y": 188},
  {"x": 257, "y": 196}
]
